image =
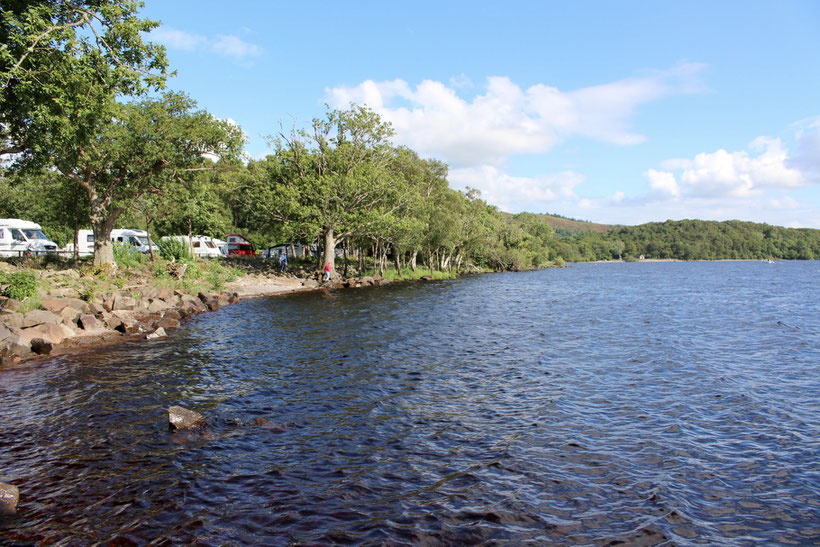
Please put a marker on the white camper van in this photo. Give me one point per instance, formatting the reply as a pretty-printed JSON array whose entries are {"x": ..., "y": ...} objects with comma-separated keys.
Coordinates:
[
  {"x": 137, "y": 239},
  {"x": 202, "y": 246},
  {"x": 23, "y": 237}
]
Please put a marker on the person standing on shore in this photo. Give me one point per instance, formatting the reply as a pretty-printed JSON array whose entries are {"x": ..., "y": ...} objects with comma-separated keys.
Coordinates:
[
  {"x": 327, "y": 271},
  {"x": 283, "y": 261}
]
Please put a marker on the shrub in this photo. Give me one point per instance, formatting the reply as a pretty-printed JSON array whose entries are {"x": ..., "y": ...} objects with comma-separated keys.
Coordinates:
[
  {"x": 19, "y": 285},
  {"x": 174, "y": 249},
  {"x": 126, "y": 257}
]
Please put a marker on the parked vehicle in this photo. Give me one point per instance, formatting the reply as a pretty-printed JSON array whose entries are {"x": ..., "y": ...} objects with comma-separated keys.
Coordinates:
[
  {"x": 222, "y": 246},
  {"x": 85, "y": 243},
  {"x": 238, "y": 245},
  {"x": 23, "y": 237},
  {"x": 202, "y": 246},
  {"x": 136, "y": 239}
]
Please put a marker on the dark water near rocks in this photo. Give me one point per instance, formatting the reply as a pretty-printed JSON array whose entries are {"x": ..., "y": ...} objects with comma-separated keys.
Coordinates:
[{"x": 668, "y": 403}]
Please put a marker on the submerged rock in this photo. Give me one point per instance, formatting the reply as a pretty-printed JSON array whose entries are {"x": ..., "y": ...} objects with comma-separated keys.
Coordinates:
[
  {"x": 9, "y": 496},
  {"x": 159, "y": 333},
  {"x": 182, "y": 418}
]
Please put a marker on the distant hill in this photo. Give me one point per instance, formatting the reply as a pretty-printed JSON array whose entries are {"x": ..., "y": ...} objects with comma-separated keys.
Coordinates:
[{"x": 570, "y": 226}]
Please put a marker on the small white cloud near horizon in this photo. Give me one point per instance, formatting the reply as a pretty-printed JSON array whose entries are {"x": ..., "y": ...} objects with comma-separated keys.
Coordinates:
[
  {"x": 225, "y": 45},
  {"x": 516, "y": 194},
  {"x": 736, "y": 174},
  {"x": 663, "y": 183}
]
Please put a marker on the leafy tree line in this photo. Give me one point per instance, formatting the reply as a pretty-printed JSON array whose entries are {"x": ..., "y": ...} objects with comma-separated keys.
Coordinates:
[{"x": 693, "y": 240}]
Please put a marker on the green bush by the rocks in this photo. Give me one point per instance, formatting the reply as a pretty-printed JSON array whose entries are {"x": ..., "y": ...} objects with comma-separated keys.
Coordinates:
[
  {"x": 174, "y": 249},
  {"x": 19, "y": 285},
  {"x": 126, "y": 257}
]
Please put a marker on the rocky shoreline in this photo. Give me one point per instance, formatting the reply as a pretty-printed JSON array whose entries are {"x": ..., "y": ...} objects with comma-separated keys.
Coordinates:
[{"x": 64, "y": 322}]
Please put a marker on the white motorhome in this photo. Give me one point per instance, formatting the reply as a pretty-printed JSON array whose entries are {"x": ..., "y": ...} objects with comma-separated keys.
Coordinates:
[
  {"x": 23, "y": 237},
  {"x": 202, "y": 246},
  {"x": 222, "y": 246},
  {"x": 137, "y": 239}
]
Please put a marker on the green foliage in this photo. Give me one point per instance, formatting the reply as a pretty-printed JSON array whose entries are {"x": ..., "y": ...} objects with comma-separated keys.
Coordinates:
[
  {"x": 19, "y": 285},
  {"x": 126, "y": 257},
  {"x": 174, "y": 249}
]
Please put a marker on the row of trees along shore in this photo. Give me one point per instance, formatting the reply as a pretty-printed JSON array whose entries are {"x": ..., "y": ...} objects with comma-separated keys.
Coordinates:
[{"x": 90, "y": 137}]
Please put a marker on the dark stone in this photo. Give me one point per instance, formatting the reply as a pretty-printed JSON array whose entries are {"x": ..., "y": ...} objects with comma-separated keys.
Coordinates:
[
  {"x": 89, "y": 322},
  {"x": 167, "y": 323},
  {"x": 129, "y": 326},
  {"x": 182, "y": 418},
  {"x": 426, "y": 278},
  {"x": 41, "y": 347},
  {"x": 9, "y": 497}
]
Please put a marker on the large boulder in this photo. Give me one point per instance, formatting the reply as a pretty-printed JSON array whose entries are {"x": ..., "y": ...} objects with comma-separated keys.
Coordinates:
[
  {"x": 14, "y": 348},
  {"x": 54, "y": 305},
  {"x": 157, "y": 306},
  {"x": 70, "y": 315},
  {"x": 49, "y": 332},
  {"x": 210, "y": 301},
  {"x": 129, "y": 325},
  {"x": 10, "y": 303},
  {"x": 123, "y": 302},
  {"x": 80, "y": 305},
  {"x": 9, "y": 497},
  {"x": 89, "y": 323},
  {"x": 5, "y": 332},
  {"x": 182, "y": 418},
  {"x": 64, "y": 292},
  {"x": 168, "y": 323},
  {"x": 39, "y": 317},
  {"x": 11, "y": 319}
]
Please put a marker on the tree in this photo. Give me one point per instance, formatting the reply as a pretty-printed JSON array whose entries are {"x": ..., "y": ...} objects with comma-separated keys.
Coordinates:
[
  {"x": 334, "y": 178},
  {"x": 63, "y": 64},
  {"x": 144, "y": 147}
]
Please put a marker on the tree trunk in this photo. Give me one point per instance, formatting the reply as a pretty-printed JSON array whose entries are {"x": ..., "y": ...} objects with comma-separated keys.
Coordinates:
[
  {"x": 191, "y": 241},
  {"x": 102, "y": 226},
  {"x": 103, "y": 247},
  {"x": 344, "y": 248},
  {"x": 150, "y": 247},
  {"x": 413, "y": 261},
  {"x": 398, "y": 262},
  {"x": 330, "y": 248}
]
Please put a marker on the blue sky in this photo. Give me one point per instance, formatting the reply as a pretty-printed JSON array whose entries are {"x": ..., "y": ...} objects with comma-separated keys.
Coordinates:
[{"x": 616, "y": 112}]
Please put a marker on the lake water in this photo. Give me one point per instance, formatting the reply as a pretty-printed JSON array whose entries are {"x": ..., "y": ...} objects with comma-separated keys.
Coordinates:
[{"x": 662, "y": 403}]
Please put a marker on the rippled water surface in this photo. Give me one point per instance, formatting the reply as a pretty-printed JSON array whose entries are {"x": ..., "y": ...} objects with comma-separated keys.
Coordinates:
[{"x": 666, "y": 403}]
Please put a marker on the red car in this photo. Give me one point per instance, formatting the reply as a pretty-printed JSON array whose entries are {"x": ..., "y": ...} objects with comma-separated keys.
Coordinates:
[{"x": 238, "y": 245}]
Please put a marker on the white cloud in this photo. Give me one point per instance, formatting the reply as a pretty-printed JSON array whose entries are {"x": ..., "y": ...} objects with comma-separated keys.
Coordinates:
[
  {"x": 225, "y": 45},
  {"x": 807, "y": 155},
  {"x": 737, "y": 174},
  {"x": 235, "y": 47},
  {"x": 506, "y": 120},
  {"x": 516, "y": 194},
  {"x": 178, "y": 39},
  {"x": 663, "y": 183}
]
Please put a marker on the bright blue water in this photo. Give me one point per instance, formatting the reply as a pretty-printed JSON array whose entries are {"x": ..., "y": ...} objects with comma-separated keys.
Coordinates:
[{"x": 664, "y": 403}]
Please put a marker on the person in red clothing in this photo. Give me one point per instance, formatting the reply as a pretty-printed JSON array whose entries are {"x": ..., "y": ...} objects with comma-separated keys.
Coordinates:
[{"x": 327, "y": 271}]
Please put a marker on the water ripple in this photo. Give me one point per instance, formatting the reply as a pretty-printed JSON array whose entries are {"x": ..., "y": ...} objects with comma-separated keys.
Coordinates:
[{"x": 638, "y": 403}]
